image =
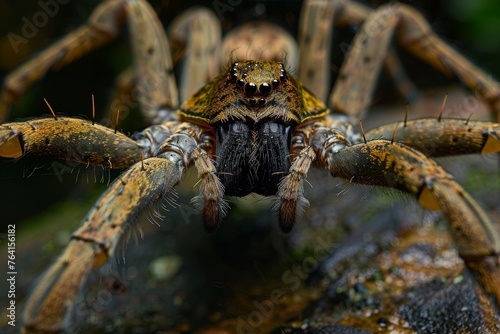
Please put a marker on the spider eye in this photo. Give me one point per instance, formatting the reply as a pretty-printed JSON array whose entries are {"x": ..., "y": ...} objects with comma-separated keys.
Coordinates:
[
  {"x": 282, "y": 74},
  {"x": 275, "y": 83},
  {"x": 265, "y": 88},
  {"x": 233, "y": 75},
  {"x": 250, "y": 88},
  {"x": 240, "y": 83}
]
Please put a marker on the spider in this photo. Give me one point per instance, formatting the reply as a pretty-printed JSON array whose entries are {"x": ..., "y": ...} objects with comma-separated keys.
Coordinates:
[{"x": 253, "y": 128}]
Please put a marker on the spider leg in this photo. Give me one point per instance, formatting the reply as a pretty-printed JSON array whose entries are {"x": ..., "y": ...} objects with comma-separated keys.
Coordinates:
[
  {"x": 443, "y": 137},
  {"x": 74, "y": 139},
  {"x": 199, "y": 31},
  {"x": 211, "y": 191},
  {"x": 96, "y": 240},
  {"x": 290, "y": 199},
  {"x": 315, "y": 40},
  {"x": 291, "y": 188},
  {"x": 416, "y": 36},
  {"x": 354, "y": 88},
  {"x": 210, "y": 200},
  {"x": 153, "y": 66},
  {"x": 394, "y": 165},
  {"x": 157, "y": 90}
]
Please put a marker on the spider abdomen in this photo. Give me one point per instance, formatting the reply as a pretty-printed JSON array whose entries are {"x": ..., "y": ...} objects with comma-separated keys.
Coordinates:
[{"x": 252, "y": 157}]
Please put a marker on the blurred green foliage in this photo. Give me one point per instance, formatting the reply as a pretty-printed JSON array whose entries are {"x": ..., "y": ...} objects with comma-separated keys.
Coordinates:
[{"x": 477, "y": 24}]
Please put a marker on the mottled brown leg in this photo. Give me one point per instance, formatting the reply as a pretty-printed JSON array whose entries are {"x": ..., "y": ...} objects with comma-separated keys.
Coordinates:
[
  {"x": 290, "y": 199},
  {"x": 358, "y": 75},
  {"x": 416, "y": 35},
  {"x": 69, "y": 139},
  {"x": 96, "y": 240},
  {"x": 195, "y": 145},
  {"x": 74, "y": 139},
  {"x": 198, "y": 31},
  {"x": 317, "y": 21},
  {"x": 211, "y": 191},
  {"x": 102, "y": 26},
  {"x": 291, "y": 189},
  {"x": 443, "y": 137},
  {"x": 156, "y": 87},
  {"x": 382, "y": 163},
  {"x": 353, "y": 90},
  {"x": 315, "y": 40},
  {"x": 155, "y": 82}
]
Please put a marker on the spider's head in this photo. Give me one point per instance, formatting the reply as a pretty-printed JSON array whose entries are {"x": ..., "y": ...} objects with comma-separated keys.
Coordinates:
[
  {"x": 256, "y": 80},
  {"x": 253, "y": 91}
]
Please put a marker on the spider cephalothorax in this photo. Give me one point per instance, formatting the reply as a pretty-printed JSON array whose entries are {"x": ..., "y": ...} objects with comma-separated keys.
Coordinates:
[
  {"x": 252, "y": 110},
  {"x": 253, "y": 91},
  {"x": 253, "y": 128}
]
